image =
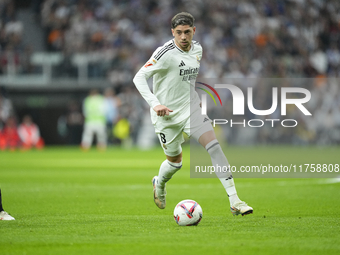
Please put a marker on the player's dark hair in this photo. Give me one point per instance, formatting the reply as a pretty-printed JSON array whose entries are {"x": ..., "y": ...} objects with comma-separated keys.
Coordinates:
[{"x": 182, "y": 18}]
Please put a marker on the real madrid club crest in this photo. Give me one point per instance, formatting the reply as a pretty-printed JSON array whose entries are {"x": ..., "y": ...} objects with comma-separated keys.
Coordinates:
[
  {"x": 198, "y": 59},
  {"x": 164, "y": 146}
]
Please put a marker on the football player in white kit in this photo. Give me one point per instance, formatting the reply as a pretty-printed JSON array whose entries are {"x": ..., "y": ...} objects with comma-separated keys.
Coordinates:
[{"x": 175, "y": 108}]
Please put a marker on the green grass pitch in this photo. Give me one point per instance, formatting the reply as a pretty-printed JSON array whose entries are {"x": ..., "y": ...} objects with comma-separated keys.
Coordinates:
[{"x": 66, "y": 201}]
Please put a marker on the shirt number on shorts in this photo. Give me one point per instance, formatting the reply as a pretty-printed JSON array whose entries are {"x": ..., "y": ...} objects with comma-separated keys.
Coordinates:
[{"x": 162, "y": 137}]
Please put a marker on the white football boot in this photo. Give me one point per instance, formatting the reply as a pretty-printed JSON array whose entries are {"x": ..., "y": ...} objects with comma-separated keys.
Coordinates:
[
  {"x": 158, "y": 194},
  {"x": 241, "y": 208},
  {"x": 5, "y": 216}
]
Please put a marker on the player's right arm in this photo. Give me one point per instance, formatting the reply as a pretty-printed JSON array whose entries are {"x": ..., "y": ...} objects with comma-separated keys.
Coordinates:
[{"x": 153, "y": 66}]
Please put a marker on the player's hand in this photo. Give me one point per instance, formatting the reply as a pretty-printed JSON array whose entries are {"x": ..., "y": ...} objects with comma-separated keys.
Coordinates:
[{"x": 162, "y": 110}]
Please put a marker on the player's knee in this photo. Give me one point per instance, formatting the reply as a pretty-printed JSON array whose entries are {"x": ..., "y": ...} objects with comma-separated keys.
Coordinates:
[{"x": 175, "y": 159}]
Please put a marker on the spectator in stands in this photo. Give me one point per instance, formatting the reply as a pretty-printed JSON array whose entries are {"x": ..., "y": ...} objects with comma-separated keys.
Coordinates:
[
  {"x": 70, "y": 125},
  {"x": 75, "y": 122},
  {"x": 30, "y": 134},
  {"x": 6, "y": 108},
  {"x": 9, "y": 137}
]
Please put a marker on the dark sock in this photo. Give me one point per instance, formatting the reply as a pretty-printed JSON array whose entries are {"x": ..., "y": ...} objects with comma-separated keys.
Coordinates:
[{"x": 1, "y": 209}]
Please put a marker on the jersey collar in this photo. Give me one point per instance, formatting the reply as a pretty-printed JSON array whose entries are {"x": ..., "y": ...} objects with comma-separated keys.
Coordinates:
[{"x": 178, "y": 48}]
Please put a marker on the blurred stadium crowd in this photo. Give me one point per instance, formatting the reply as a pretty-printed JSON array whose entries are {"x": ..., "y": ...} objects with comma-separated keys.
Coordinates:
[
  {"x": 242, "y": 40},
  {"x": 13, "y": 135}
]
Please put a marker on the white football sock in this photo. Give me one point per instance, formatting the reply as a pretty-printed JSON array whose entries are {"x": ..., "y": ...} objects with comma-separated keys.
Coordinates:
[
  {"x": 166, "y": 171},
  {"x": 219, "y": 159}
]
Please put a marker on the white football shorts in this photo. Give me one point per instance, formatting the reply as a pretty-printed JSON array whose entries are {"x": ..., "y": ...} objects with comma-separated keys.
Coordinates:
[
  {"x": 91, "y": 129},
  {"x": 171, "y": 135}
]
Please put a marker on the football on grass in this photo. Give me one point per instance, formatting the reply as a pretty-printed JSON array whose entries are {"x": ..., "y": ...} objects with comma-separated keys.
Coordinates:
[{"x": 188, "y": 213}]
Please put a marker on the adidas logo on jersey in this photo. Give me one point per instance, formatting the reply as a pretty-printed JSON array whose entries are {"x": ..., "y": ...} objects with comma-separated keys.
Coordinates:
[
  {"x": 181, "y": 64},
  {"x": 205, "y": 119}
]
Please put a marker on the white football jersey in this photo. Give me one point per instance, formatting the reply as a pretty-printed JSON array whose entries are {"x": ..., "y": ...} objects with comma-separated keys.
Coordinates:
[{"x": 174, "y": 74}]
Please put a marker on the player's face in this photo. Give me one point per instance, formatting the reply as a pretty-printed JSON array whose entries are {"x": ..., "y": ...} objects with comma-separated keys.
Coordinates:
[{"x": 183, "y": 36}]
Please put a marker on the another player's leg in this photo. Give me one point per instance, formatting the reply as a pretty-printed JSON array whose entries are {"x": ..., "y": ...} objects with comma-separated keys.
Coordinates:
[
  {"x": 101, "y": 136},
  {"x": 4, "y": 215},
  {"x": 87, "y": 137},
  {"x": 209, "y": 141}
]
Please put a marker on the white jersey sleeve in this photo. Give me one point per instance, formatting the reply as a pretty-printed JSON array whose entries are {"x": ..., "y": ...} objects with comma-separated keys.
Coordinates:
[
  {"x": 151, "y": 67},
  {"x": 174, "y": 73}
]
